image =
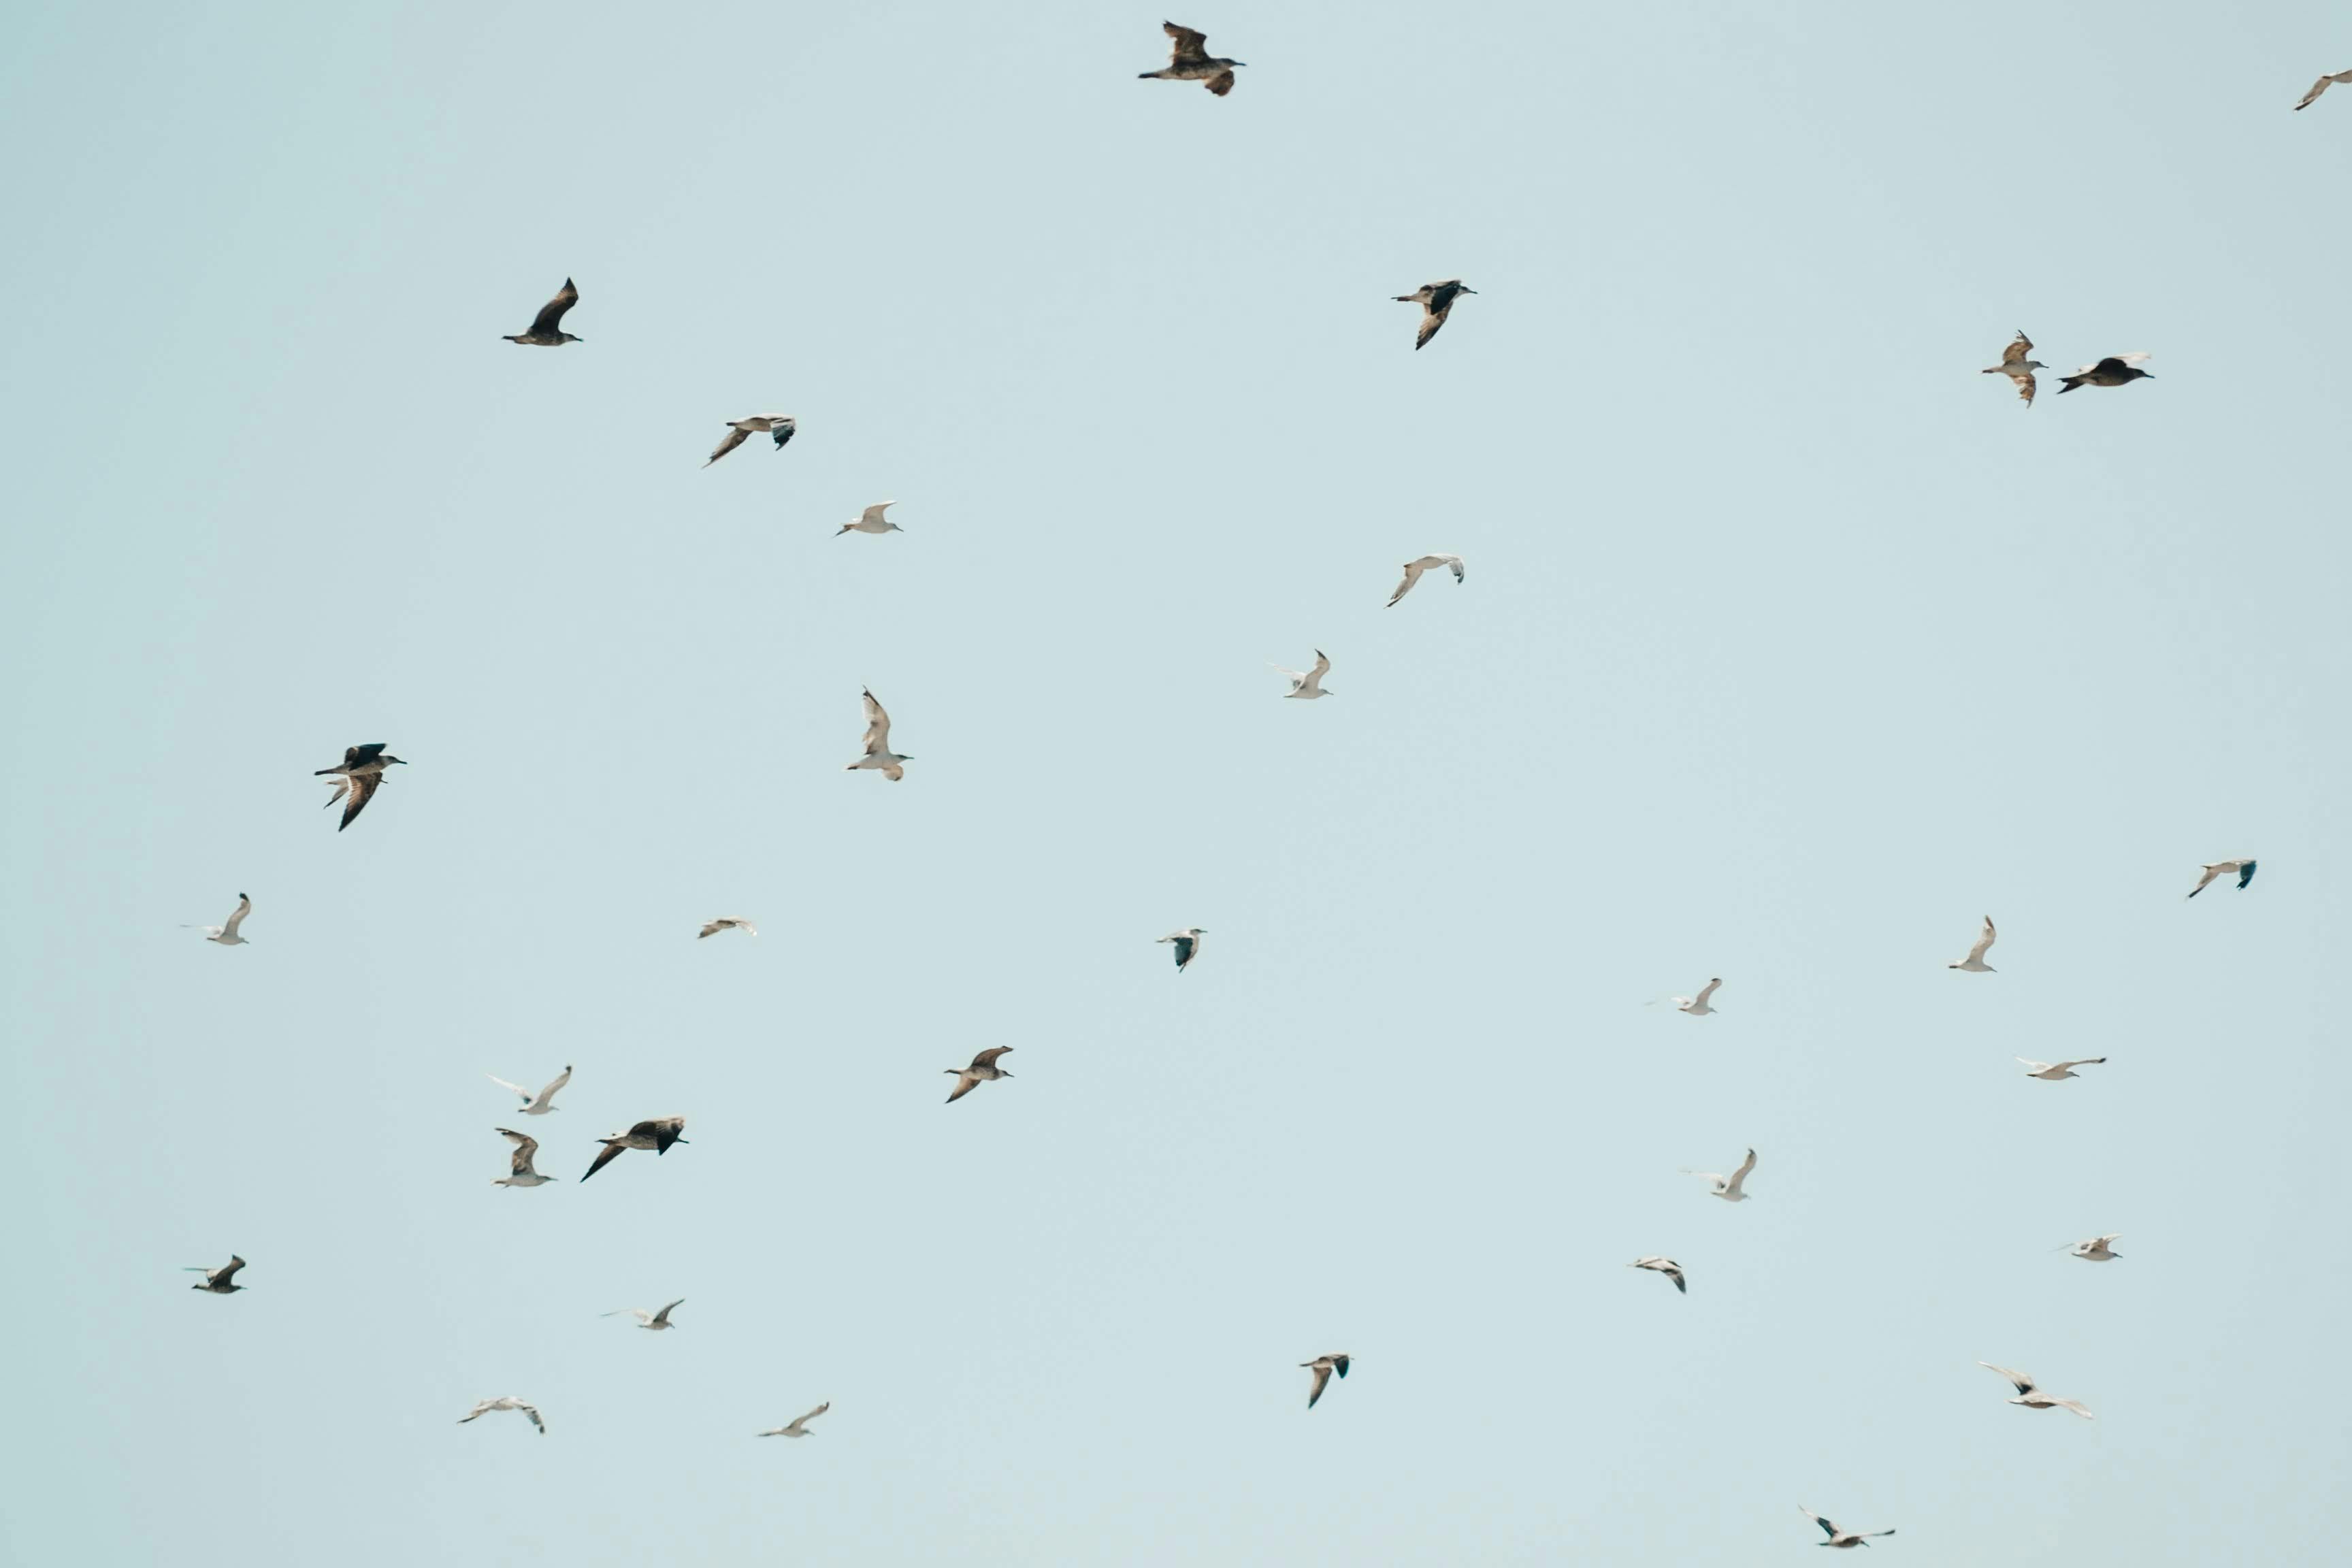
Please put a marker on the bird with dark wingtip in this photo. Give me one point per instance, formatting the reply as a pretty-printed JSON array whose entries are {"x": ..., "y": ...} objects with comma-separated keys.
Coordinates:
[
  {"x": 1323, "y": 1367},
  {"x": 359, "y": 777},
  {"x": 1436, "y": 302},
  {"x": 657, "y": 1134},
  {"x": 1191, "y": 61},
  {"x": 547, "y": 326},
  {"x": 2116, "y": 370}
]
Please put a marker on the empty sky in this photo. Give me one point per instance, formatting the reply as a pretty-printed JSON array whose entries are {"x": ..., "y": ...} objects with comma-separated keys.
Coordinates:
[{"x": 1790, "y": 648}]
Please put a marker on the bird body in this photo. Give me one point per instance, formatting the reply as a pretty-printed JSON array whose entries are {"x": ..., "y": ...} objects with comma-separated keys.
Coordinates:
[
  {"x": 2015, "y": 364},
  {"x": 2097, "y": 1249},
  {"x": 871, "y": 520},
  {"x": 2241, "y": 870},
  {"x": 2033, "y": 1397},
  {"x": 506, "y": 1402},
  {"x": 983, "y": 1070},
  {"x": 657, "y": 1134},
  {"x": 1974, "y": 963},
  {"x": 546, "y": 328},
  {"x": 538, "y": 1104},
  {"x": 1308, "y": 684},
  {"x": 1190, "y": 60},
  {"x": 798, "y": 1425},
  {"x": 2116, "y": 370},
  {"x": 878, "y": 755},
  {"x": 1187, "y": 942},
  {"x": 2051, "y": 1072},
  {"x": 1323, "y": 1367},
  {"x": 781, "y": 425},
  {"x": 224, "y": 933},
  {"x": 220, "y": 1282},
  {"x": 1698, "y": 1007},
  {"x": 1413, "y": 569},
  {"x": 1840, "y": 1538},
  {"x": 1666, "y": 1266},
  {"x": 1728, "y": 1188}
]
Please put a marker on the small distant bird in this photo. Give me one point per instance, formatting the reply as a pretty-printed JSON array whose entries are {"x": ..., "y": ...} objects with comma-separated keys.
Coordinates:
[
  {"x": 983, "y": 1070},
  {"x": 506, "y": 1402},
  {"x": 217, "y": 1281},
  {"x": 726, "y": 923},
  {"x": 798, "y": 1425},
  {"x": 879, "y": 754},
  {"x": 2051, "y": 1072},
  {"x": 1697, "y": 1006},
  {"x": 520, "y": 1174},
  {"x": 656, "y": 1321},
  {"x": 2031, "y": 1397},
  {"x": 1666, "y": 1266},
  {"x": 1308, "y": 684},
  {"x": 1187, "y": 942},
  {"x": 1191, "y": 61},
  {"x": 2241, "y": 870},
  {"x": 1727, "y": 1187},
  {"x": 739, "y": 431},
  {"x": 545, "y": 331},
  {"x": 226, "y": 932},
  {"x": 2018, "y": 368},
  {"x": 358, "y": 778},
  {"x": 1413, "y": 569},
  {"x": 2321, "y": 86},
  {"x": 538, "y": 1104},
  {"x": 2097, "y": 1249},
  {"x": 1436, "y": 300},
  {"x": 1840, "y": 1538},
  {"x": 1323, "y": 1367},
  {"x": 1974, "y": 963},
  {"x": 657, "y": 1135},
  {"x": 871, "y": 520},
  {"x": 2113, "y": 371}
]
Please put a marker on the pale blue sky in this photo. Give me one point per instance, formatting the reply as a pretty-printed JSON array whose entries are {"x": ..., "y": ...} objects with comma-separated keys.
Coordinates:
[{"x": 1790, "y": 648}]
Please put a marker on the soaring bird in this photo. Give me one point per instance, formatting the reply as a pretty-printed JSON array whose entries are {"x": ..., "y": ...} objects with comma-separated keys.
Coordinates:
[
  {"x": 1728, "y": 1188},
  {"x": 217, "y": 1281},
  {"x": 226, "y": 932},
  {"x": 358, "y": 778},
  {"x": 1187, "y": 942},
  {"x": 1840, "y": 1538},
  {"x": 740, "y": 430},
  {"x": 1323, "y": 1367},
  {"x": 2097, "y": 1249},
  {"x": 1413, "y": 569},
  {"x": 2241, "y": 870},
  {"x": 1698, "y": 1007},
  {"x": 871, "y": 520},
  {"x": 520, "y": 1174},
  {"x": 2051, "y": 1072},
  {"x": 1436, "y": 300},
  {"x": 1190, "y": 61},
  {"x": 983, "y": 1070},
  {"x": 658, "y": 1135},
  {"x": 1666, "y": 1266},
  {"x": 656, "y": 1321},
  {"x": 725, "y": 922},
  {"x": 879, "y": 754},
  {"x": 1308, "y": 684},
  {"x": 545, "y": 328},
  {"x": 2033, "y": 1397},
  {"x": 798, "y": 1425},
  {"x": 2321, "y": 86},
  {"x": 2015, "y": 365},
  {"x": 506, "y": 1402},
  {"x": 538, "y": 1104},
  {"x": 1974, "y": 963},
  {"x": 2116, "y": 370}
]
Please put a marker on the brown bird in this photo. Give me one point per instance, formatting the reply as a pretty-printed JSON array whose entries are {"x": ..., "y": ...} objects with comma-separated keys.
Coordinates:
[
  {"x": 2321, "y": 86},
  {"x": 2113, "y": 371},
  {"x": 657, "y": 1135},
  {"x": 1190, "y": 61},
  {"x": 2018, "y": 368},
  {"x": 983, "y": 1070},
  {"x": 1323, "y": 1367},
  {"x": 357, "y": 780},
  {"x": 1436, "y": 300},
  {"x": 546, "y": 327}
]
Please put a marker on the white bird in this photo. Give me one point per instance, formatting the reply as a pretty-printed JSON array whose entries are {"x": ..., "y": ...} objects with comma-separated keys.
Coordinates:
[
  {"x": 506, "y": 1402},
  {"x": 2097, "y": 1249},
  {"x": 219, "y": 1281},
  {"x": 2031, "y": 1397},
  {"x": 1974, "y": 963},
  {"x": 1728, "y": 1188},
  {"x": 1187, "y": 942},
  {"x": 726, "y": 923},
  {"x": 879, "y": 754},
  {"x": 1666, "y": 1266},
  {"x": 657, "y": 1133},
  {"x": 225, "y": 933},
  {"x": 1696, "y": 1006},
  {"x": 1323, "y": 1367},
  {"x": 742, "y": 430},
  {"x": 520, "y": 1174},
  {"x": 1413, "y": 569},
  {"x": 2019, "y": 369},
  {"x": 2051, "y": 1072},
  {"x": 2321, "y": 86},
  {"x": 1308, "y": 684},
  {"x": 798, "y": 1425},
  {"x": 653, "y": 1320},
  {"x": 538, "y": 1104},
  {"x": 983, "y": 1070},
  {"x": 2241, "y": 870},
  {"x": 1840, "y": 1538},
  {"x": 871, "y": 520}
]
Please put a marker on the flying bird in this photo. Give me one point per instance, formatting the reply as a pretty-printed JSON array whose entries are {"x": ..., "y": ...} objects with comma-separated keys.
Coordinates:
[
  {"x": 2113, "y": 371},
  {"x": 546, "y": 328},
  {"x": 506, "y": 1402},
  {"x": 2031, "y": 1397},
  {"x": 726, "y": 923},
  {"x": 879, "y": 754},
  {"x": 1308, "y": 684},
  {"x": 2321, "y": 86},
  {"x": 656, "y": 1321},
  {"x": 538, "y": 1104},
  {"x": 1840, "y": 1538},
  {"x": 739, "y": 431},
  {"x": 983, "y": 1070},
  {"x": 1666, "y": 1266},
  {"x": 1323, "y": 1367},
  {"x": 2241, "y": 870},
  {"x": 357, "y": 779},
  {"x": 1726, "y": 1188},
  {"x": 226, "y": 932},
  {"x": 1190, "y": 61},
  {"x": 2097, "y": 1249},
  {"x": 657, "y": 1135},
  {"x": 2015, "y": 365},
  {"x": 520, "y": 1173},
  {"x": 798, "y": 1425},
  {"x": 1974, "y": 963},
  {"x": 1437, "y": 301},
  {"x": 1697, "y": 1006},
  {"x": 217, "y": 1281},
  {"x": 2051, "y": 1072},
  {"x": 871, "y": 520},
  {"x": 1413, "y": 569},
  {"x": 1187, "y": 942}
]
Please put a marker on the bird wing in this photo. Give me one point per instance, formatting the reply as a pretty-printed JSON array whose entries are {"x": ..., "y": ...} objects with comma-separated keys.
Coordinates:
[
  {"x": 227, "y": 1272},
  {"x": 1827, "y": 1528},
  {"x": 877, "y": 728},
  {"x": 663, "y": 1316},
  {"x": 811, "y": 1414},
  {"x": 354, "y": 755},
  {"x": 1188, "y": 46},
  {"x": 2015, "y": 354},
  {"x": 2026, "y": 386},
  {"x": 610, "y": 1153},
  {"x": 245, "y": 908},
  {"x": 1453, "y": 564},
  {"x": 2034, "y": 1066},
  {"x": 663, "y": 1129},
  {"x": 2245, "y": 875},
  {"x": 558, "y": 1081},
  {"x": 1322, "y": 666},
  {"x": 1705, "y": 992},
  {"x": 1413, "y": 570},
  {"x": 2025, "y": 1384},
  {"x": 525, "y": 1147},
  {"x": 965, "y": 1084},
  {"x": 1322, "y": 1378},
  {"x": 874, "y": 513},
  {"x": 987, "y": 1058},
  {"x": 2079, "y": 1062},
  {"x": 1976, "y": 953},
  {"x": 1184, "y": 948},
  {"x": 550, "y": 315},
  {"x": 482, "y": 1408},
  {"x": 2073, "y": 1404},
  {"x": 735, "y": 437},
  {"x": 516, "y": 1088},
  {"x": 713, "y": 929},
  {"x": 1222, "y": 83},
  {"x": 2319, "y": 86},
  {"x": 1746, "y": 1165},
  {"x": 784, "y": 430},
  {"x": 1434, "y": 319},
  {"x": 362, "y": 788},
  {"x": 2113, "y": 363}
]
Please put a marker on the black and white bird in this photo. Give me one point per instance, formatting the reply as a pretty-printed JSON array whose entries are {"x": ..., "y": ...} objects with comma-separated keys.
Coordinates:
[
  {"x": 1191, "y": 61},
  {"x": 1728, "y": 1188},
  {"x": 657, "y": 1321},
  {"x": 983, "y": 1070},
  {"x": 506, "y": 1402},
  {"x": 1974, "y": 963},
  {"x": 1437, "y": 301},
  {"x": 538, "y": 1104},
  {"x": 1700, "y": 1006},
  {"x": 658, "y": 1135},
  {"x": 871, "y": 520},
  {"x": 1413, "y": 569},
  {"x": 520, "y": 1173},
  {"x": 2097, "y": 1249},
  {"x": 2322, "y": 84},
  {"x": 1666, "y": 1266},
  {"x": 2015, "y": 364},
  {"x": 546, "y": 329},
  {"x": 2116, "y": 370},
  {"x": 219, "y": 1281},
  {"x": 780, "y": 426},
  {"x": 1323, "y": 1367},
  {"x": 1187, "y": 942},
  {"x": 357, "y": 780},
  {"x": 798, "y": 1425},
  {"x": 2032, "y": 1396},
  {"x": 1308, "y": 684},
  {"x": 2051, "y": 1072},
  {"x": 224, "y": 933},
  {"x": 1840, "y": 1538},
  {"x": 2241, "y": 870},
  {"x": 725, "y": 922},
  {"x": 878, "y": 755}
]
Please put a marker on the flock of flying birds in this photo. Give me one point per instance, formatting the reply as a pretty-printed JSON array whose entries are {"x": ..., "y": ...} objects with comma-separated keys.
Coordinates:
[{"x": 355, "y": 781}]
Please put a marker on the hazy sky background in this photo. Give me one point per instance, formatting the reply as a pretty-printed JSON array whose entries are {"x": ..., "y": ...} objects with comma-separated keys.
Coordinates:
[{"x": 1790, "y": 648}]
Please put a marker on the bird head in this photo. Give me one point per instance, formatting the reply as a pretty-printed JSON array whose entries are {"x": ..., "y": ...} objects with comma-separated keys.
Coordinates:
[
  {"x": 401, "y": 761},
  {"x": 568, "y": 338},
  {"x": 1467, "y": 289}
]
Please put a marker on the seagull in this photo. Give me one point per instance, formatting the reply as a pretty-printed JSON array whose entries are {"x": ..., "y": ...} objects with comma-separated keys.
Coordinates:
[
  {"x": 1187, "y": 942},
  {"x": 879, "y": 753},
  {"x": 2113, "y": 371},
  {"x": 522, "y": 1175},
  {"x": 2052, "y": 1071},
  {"x": 1323, "y": 1367},
  {"x": 2031, "y": 1397},
  {"x": 742, "y": 430},
  {"x": 871, "y": 520},
  {"x": 2097, "y": 1249},
  {"x": 506, "y": 1402},
  {"x": 1974, "y": 963},
  {"x": 1840, "y": 1537},
  {"x": 983, "y": 1068},
  {"x": 726, "y": 923},
  {"x": 1306, "y": 685},
  {"x": 1696, "y": 1006},
  {"x": 1413, "y": 569},
  {"x": 2321, "y": 86},
  {"x": 798, "y": 1425},
  {"x": 656, "y": 1321},
  {"x": 1191, "y": 61},
  {"x": 2243, "y": 870},
  {"x": 359, "y": 776},
  {"x": 538, "y": 1104},
  {"x": 1727, "y": 1190},
  {"x": 1666, "y": 1266},
  {"x": 2018, "y": 368},
  {"x": 657, "y": 1135},
  {"x": 226, "y": 932},
  {"x": 1437, "y": 301},
  {"x": 217, "y": 1281},
  {"x": 544, "y": 333}
]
